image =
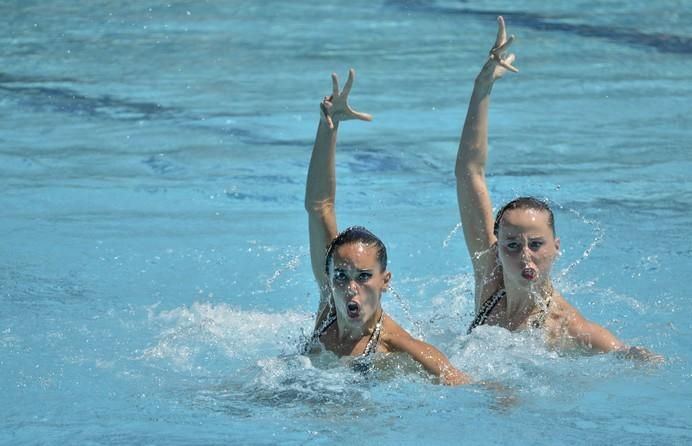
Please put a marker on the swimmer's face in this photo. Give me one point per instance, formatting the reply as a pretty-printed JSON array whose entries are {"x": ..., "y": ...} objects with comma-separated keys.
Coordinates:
[
  {"x": 357, "y": 281},
  {"x": 527, "y": 247}
]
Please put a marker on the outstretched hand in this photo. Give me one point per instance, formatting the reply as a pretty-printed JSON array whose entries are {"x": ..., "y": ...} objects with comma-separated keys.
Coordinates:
[
  {"x": 499, "y": 62},
  {"x": 335, "y": 108},
  {"x": 641, "y": 354}
]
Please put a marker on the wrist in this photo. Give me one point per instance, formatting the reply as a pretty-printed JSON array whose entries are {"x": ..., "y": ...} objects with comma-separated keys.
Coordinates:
[
  {"x": 483, "y": 84},
  {"x": 324, "y": 125}
]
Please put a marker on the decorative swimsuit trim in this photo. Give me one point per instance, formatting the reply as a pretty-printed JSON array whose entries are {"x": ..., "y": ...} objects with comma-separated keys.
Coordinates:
[
  {"x": 486, "y": 309},
  {"x": 369, "y": 348},
  {"x": 491, "y": 303}
]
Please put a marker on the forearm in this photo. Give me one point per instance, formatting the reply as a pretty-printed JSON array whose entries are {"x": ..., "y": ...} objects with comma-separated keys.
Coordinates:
[
  {"x": 473, "y": 146},
  {"x": 602, "y": 341},
  {"x": 434, "y": 361},
  {"x": 320, "y": 190}
]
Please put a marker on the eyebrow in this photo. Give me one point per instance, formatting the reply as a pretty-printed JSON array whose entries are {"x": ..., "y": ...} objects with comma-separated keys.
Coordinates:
[
  {"x": 357, "y": 269},
  {"x": 538, "y": 237}
]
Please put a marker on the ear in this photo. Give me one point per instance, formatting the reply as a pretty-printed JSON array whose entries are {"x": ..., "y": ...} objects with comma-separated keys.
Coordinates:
[
  {"x": 386, "y": 280},
  {"x": 557, "y": 244}
]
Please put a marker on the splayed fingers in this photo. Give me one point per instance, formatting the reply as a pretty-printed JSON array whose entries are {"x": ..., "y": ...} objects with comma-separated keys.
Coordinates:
[
  {"x": 499, "y": 61},
  {"x": 501, "y": 32},
  {"x": 349, "y": 82},
  {"x": 335, "y": 108}
]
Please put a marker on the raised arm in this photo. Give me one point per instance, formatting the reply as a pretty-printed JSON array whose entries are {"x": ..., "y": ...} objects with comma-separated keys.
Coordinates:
[
  {"x": 320, "y": 190},
  {"x": 472, "y": 193}
]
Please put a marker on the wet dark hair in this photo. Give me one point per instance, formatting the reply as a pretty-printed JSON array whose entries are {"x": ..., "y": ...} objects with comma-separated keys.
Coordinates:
[
  {"x": 525, "y": 203},
  {"x": 357, "y": 234}
]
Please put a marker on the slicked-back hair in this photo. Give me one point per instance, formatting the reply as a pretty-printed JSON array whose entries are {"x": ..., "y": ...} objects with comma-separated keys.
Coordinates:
[
  {"x": 358, "y": 234},
  {"x": 525, "y": 203}
]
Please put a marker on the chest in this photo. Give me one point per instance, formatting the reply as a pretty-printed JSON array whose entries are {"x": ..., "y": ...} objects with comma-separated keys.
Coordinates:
[
  {"x": 535, "y": 319},
  {"x": 348, "y": 347}
]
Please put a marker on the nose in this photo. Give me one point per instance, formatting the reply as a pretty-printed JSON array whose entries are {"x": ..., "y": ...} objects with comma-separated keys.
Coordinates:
[
  {"x": 525, "y": 253},
  {"x": 351, "y": 288}
]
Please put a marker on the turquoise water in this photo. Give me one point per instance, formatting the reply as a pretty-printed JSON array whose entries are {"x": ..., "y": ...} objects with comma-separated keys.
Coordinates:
[{"x": 154, "y": 266}]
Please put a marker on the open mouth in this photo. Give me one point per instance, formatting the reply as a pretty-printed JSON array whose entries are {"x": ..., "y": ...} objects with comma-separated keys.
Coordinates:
[
  {"x": 528, "y": 273},
  {"x": 353, "y": 309}
]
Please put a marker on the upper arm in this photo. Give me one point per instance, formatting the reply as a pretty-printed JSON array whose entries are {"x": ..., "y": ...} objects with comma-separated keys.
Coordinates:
[
  {"x": 476, "y": 213},
  {"x": 322, "y": 229},
  {"x": 477, "y": 223},
  {"x": 592, "y": 336}
]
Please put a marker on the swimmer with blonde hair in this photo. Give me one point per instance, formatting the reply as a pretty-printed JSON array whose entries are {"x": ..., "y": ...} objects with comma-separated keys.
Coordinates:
[
  {"x": 351, "y": 267},
  {"x": 512, "y": 254}
]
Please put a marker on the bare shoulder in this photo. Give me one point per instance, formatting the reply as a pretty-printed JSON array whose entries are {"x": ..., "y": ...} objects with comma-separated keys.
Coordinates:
[
  {"x": 562, "y": 321},
  {"x": 568, "y": 328},
  {"x": 563, "y": 311},
  {"x": 393, "y": 336}
]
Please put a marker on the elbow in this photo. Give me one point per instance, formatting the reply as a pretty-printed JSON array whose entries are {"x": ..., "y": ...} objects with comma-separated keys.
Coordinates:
[
  {"x": 469, "y": 162},
  {"x": 455, "y": 378},
  {"x": 461, "y": 172},
  {"x": 319, "y": 207}
]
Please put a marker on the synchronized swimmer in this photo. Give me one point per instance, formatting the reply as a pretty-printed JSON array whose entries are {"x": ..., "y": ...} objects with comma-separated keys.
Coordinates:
[
  {"x": 512, "y": 253},
  {"x": 350, "y": 267}
]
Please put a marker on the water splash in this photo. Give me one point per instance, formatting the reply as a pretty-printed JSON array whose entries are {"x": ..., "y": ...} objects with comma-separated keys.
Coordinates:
[
  {"x": 288, "y": 379},
  {"x": 522, "y": 361},
  {"x": 406, "y": 308},
  {"x": 451, "y": 235},
  {"x": 290, "y": 265},
  {"x": 599, "y": 234},
  {"x": 206, "y": 335}
]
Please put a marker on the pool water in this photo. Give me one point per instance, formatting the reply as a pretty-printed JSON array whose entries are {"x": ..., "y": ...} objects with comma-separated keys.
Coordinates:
[{"x": 154, "y": 267}]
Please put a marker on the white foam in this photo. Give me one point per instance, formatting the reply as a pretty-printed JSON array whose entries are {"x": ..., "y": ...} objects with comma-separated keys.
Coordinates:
[
  {"x": 289, "y": 378},
  {"x": 203, "y": 332}
]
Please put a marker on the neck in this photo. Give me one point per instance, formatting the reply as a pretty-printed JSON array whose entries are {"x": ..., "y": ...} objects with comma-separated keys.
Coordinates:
[
  {"x": 523, "y": 301},
  {"x": 355, "y": 331}
]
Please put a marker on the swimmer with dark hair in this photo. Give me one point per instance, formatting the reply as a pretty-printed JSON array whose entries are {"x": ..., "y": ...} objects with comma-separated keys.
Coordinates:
[
  {"x": 351, "y": 267},
  {"x": 512, "y": 254}
]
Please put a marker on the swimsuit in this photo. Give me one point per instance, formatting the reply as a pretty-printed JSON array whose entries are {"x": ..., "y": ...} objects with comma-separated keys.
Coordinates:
[
  {"x": 361, "y": 363},
  {"x": 486, "y": 309},
  {"x": 490, "y": 304}
]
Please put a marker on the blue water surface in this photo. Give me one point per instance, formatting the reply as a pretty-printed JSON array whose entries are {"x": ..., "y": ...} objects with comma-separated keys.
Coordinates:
[{"x": 154, "y": 266}]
